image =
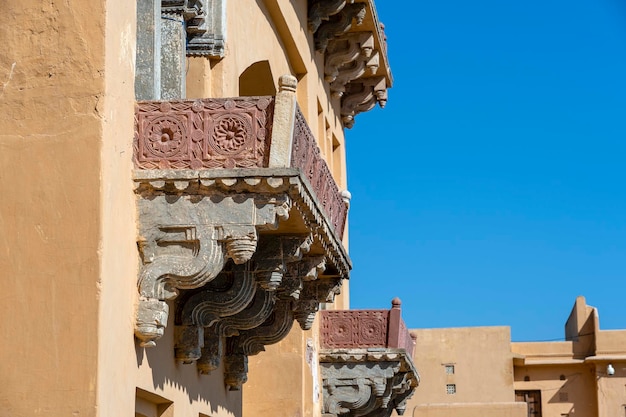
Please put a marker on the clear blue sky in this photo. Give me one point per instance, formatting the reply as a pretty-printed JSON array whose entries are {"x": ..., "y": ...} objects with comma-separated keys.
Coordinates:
[{"x": 492, "y": 188}]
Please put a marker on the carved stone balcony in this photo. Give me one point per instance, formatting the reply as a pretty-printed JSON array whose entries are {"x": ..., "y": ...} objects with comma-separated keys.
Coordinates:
[
  {"x": 240, "y": 221},
  {"x": 354, "y": 45},
  {"x": 366, "y": 362}
]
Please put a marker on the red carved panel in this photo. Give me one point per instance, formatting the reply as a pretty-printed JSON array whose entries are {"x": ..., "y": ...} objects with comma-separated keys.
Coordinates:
[
  {"x": 404, "y": 339},
  {"x": 208, "y": 133},
  {"x": 306, "y": 156},
  {"x": 354, "y": 328}
]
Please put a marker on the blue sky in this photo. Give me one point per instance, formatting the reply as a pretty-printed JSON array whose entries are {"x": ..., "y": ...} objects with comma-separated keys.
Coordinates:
[{"x": 491, "y": 190}]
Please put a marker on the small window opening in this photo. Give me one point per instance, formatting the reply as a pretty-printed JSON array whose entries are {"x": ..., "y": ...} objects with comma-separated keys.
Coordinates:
[
  {"x": 449, "y": 369},
  {"x": 450, "y": 389}
]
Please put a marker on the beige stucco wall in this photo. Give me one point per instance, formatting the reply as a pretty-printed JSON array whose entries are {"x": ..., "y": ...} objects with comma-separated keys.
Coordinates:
[
  {"x": 482, "y": 360},
  {"x": 509, "y": 409},
  {"x": 52, "y": 71},
  {"x": 483, "y": 373},
  {"x": 280, "y": 381},
  {"x": 575, "y": 395}
]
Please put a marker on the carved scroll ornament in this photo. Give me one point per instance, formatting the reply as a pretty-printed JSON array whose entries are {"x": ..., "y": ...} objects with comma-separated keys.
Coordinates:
[
  {"x": 185, "y": 243},
  {"x": 359, "y": 382},
  {"x": 338, "y": 24},
  {"x": 238, "y": 313},
  {"x": 362, "y": 95}
]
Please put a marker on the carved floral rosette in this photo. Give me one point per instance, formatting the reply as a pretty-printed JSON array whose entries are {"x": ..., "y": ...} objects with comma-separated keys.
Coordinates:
[{"x": 203, "y": 134}]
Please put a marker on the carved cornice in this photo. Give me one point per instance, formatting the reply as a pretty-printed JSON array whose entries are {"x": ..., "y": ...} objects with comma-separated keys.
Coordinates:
[{"x": 270, "y": 185}]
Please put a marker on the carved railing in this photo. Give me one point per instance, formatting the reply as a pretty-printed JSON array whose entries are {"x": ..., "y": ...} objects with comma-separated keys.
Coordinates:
[
  {"x": 306, "y": 156},
  {"x": 229, "y": 133},
  {"x": 354, "y": 329}
]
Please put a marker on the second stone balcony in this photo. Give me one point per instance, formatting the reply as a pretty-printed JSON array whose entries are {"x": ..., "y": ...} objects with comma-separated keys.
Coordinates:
[
  {"x": 366, "y": 362},
  {"x": 240, "y": 226}
]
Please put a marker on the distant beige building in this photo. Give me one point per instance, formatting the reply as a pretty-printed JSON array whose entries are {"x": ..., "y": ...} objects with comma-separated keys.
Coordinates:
[{"x": 478, "y": 372}]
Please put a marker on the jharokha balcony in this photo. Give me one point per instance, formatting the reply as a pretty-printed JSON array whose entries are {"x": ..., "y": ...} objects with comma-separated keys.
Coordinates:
[
  {"x": 240, "y": 223},
  {"x": 366, "y": 362}
]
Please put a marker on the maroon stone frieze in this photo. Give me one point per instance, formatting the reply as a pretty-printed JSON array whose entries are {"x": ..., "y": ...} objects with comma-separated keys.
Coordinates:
[
  {"x": 306, "y": 156},
  {"x": 358, "y": 329},
  {"x": 207, "y": 133}
]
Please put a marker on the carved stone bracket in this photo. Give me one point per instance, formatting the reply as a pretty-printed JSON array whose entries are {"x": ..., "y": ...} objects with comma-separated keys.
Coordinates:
[
  {"x": 249, "y": 250},
  {"x": 346, "y": 49},
  {"x": 322, "y": 10},
  {"x": 251, "y": 342},
  {"x": 366, "y": 382},
  {"x": 355, "y": 55},
  {"x": 339, "y": 24},
  {"x": 185, "y": 242},
  {"x": 362, "y": 95}
]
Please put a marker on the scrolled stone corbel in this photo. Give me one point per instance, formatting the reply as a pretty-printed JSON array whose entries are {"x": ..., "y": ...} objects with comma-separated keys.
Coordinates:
[
  {"x": 162, "y": 276},
  {"x": 339, "y": 24},
  {"x": 342, "y": 399},
  {"x": 362, "y": 95},
  {"x": 250, "y": 342},
  {"x": 312, "y": 294},
  {"x": 270, "y": 262},
  {"x": 345, "y": 49},
  {"x": 322, "y": 10},
  {"x": 252, "y": 316},
  {"x": 225, "y": 296},
  {"x": 352, "y": 72}
]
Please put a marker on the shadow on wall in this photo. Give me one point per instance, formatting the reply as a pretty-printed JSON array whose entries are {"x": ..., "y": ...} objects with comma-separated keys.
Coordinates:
[
  {"x": 168, "y": 375},
  {"x": 257, "y": 80}
]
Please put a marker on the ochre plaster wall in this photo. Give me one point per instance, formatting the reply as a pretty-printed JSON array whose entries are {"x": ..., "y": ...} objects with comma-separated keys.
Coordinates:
[
  {"x": 483, "y": 367},
  {"x": 575, "y": 395},
  {"x": 510, "y": 409},
  {"x": 116, "y": 378},
  {"x": 51, "y": 86},
  {"x": 181, "y": 384},
  {"x": 611, "y": 389},
  {"x": 281, "y": 382}
]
